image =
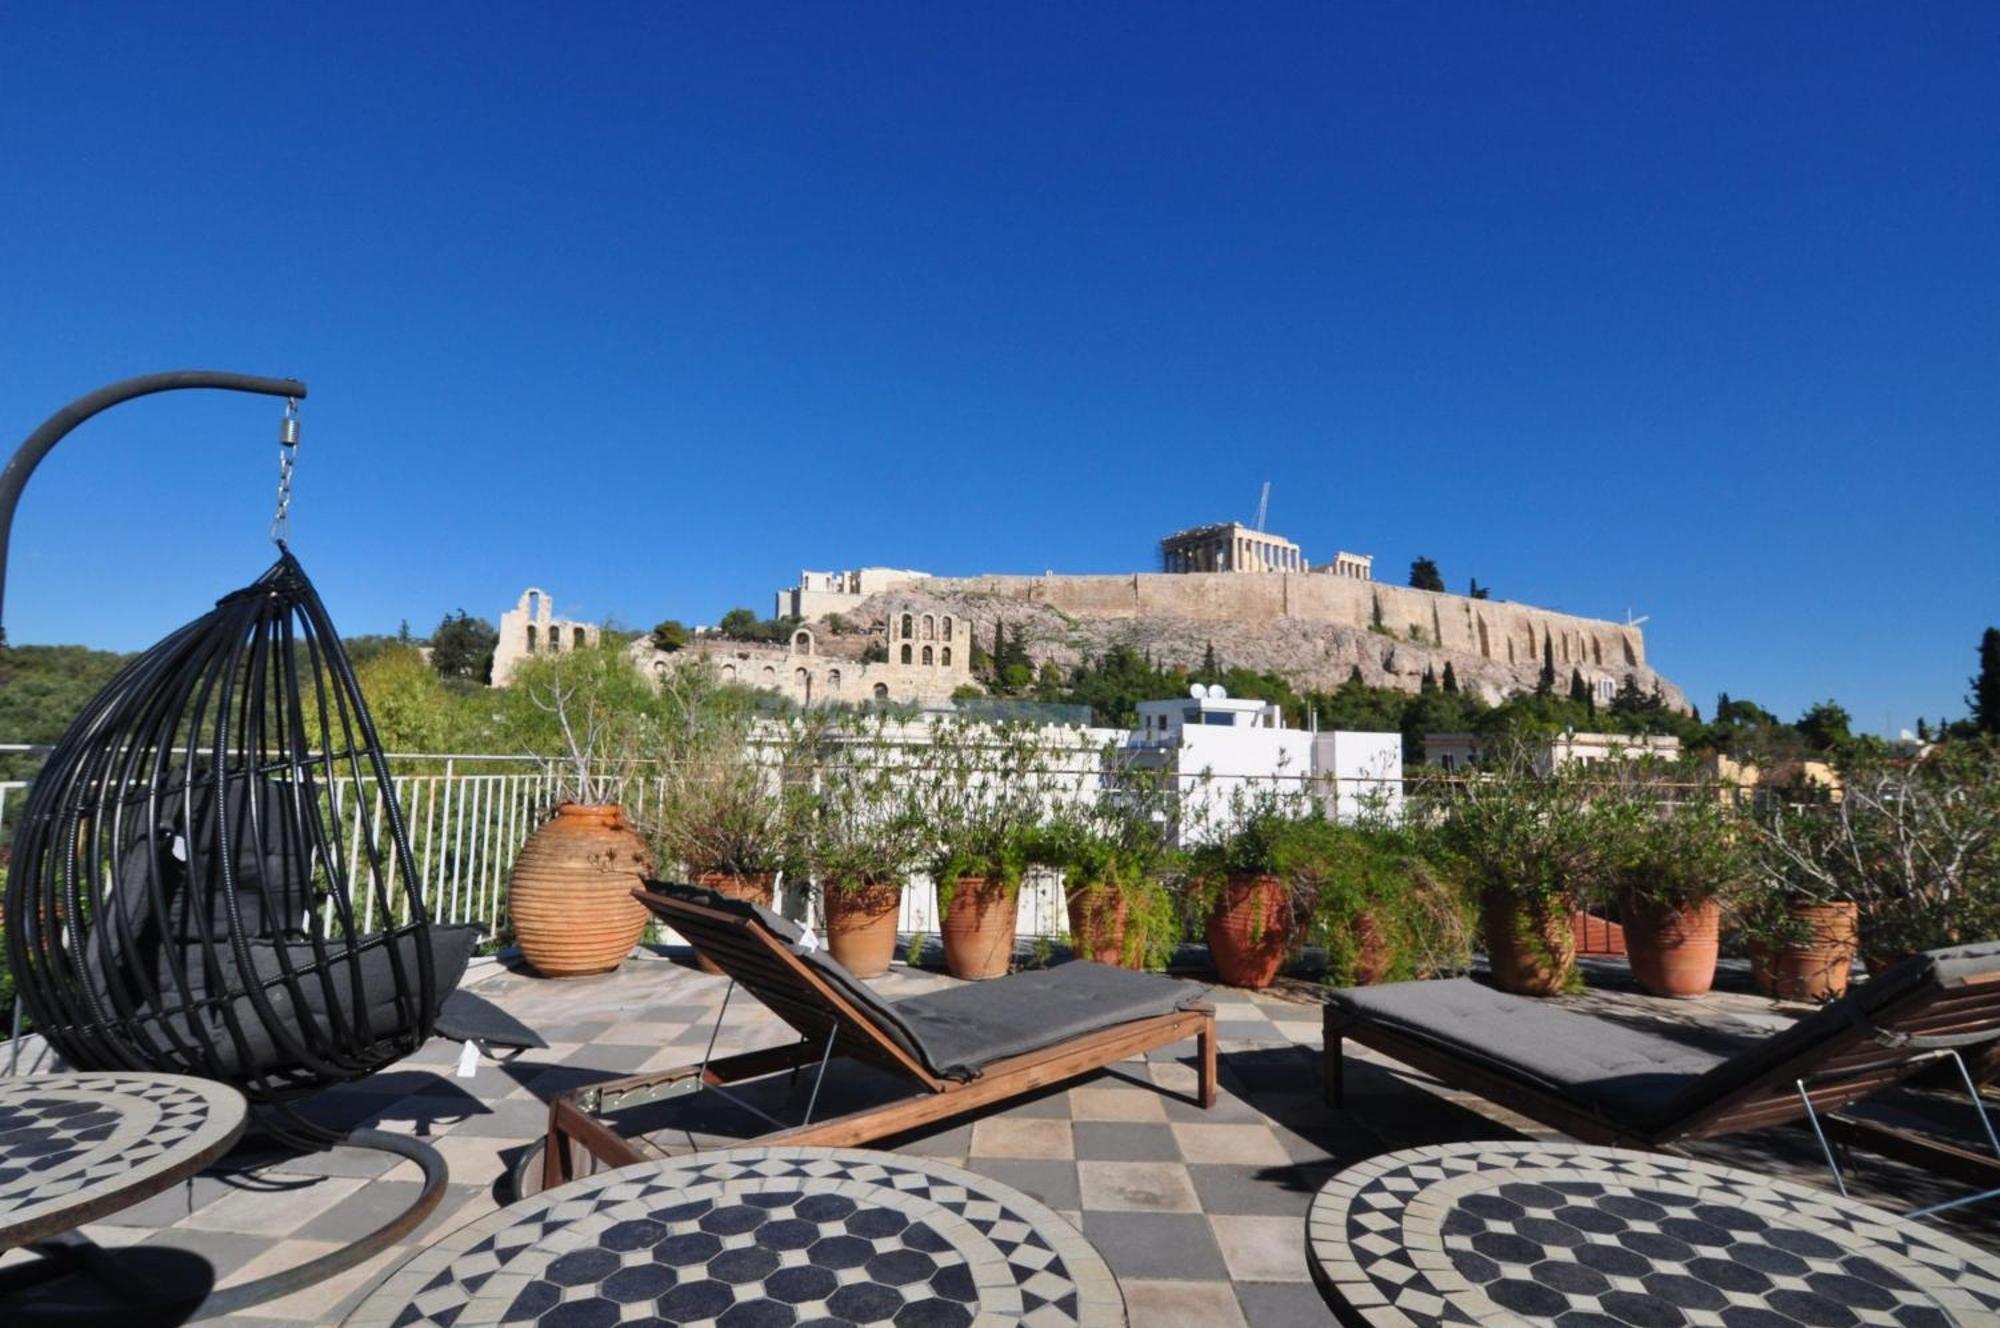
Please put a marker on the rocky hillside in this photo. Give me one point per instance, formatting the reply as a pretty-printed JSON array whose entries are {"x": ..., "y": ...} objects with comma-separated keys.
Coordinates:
[{"x": 1310, "y": 655}]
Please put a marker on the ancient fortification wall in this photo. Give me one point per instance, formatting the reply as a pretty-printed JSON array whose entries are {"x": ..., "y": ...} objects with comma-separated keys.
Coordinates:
[{"x": 1496, "y": 630}]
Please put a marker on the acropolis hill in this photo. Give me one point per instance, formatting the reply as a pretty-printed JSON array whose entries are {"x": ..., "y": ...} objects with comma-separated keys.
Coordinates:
[{"x": 1313, "y": 626}]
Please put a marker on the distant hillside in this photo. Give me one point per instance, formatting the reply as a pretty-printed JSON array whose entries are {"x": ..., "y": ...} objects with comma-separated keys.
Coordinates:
[{"x": 41, "y": 690}]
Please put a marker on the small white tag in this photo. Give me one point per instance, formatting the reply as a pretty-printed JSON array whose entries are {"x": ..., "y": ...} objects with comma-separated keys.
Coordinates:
[
  {"x": 180, "y": 848},
  {"x": 807, "y": 941},
  {"x": 468, "y": 1060}
]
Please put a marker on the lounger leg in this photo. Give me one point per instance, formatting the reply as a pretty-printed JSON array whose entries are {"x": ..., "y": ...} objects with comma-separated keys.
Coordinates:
[
  {"x": 1335, "y": 1080},
  {"x": 1205, "y": 1046}
]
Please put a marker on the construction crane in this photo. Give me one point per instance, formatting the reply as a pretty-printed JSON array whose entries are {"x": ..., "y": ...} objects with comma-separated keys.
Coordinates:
[
  {"x": 1263, "y": 504},
  {"x": 1639, "y": 621}
]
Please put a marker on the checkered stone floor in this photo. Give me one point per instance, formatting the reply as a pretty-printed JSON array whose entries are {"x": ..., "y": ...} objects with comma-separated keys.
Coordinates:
[{"x": 1200, "y": 1216}]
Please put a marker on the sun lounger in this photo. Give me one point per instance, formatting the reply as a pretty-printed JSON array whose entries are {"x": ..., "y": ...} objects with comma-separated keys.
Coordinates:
[
  {"x": 1604, "y": 1081},
  {"x": 962, "y": 1049}
]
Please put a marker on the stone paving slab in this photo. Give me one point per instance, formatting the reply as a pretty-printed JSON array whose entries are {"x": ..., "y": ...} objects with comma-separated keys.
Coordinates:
[{"x": 1183, "y": 1204}]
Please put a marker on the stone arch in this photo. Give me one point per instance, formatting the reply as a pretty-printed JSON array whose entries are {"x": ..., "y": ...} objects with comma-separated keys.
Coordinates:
[
  {"x": 945, "y": 627},
  {"x": 729, "y": 673},
  {"x": 930, "y": 627},
  {"x": 802, "y": 679},
  {"x": 802, "y": 642},
  {"x": 578, "y": 638},
  {"x": 906, "y": 652},
  {"x": 944, "y": 656},
  {"x": 534, "y": 602},
  {"x": 660, "y": 670},
  {"x": 833, "y": 680},
  {"x": 531, "y": 638},
  {"x": 555, "y": 640},
  {"x": 881, "y": 691},
  {"x": 909, "y": 626},
  {"x": 1485, "y": 644},
  {"x": 929, "y": 657},
  {"x": 770, "y": 676}
]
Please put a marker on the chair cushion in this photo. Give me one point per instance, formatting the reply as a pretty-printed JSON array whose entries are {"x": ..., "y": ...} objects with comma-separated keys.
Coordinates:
[
  {"x": 1621, "y": 1072},
  {"x": 956, "y": 1033}
]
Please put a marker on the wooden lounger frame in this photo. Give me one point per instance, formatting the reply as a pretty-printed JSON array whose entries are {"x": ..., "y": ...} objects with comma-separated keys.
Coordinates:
[
  {"x": 830, "y": 1025},
  {"x": 1905, "y": 1036}
]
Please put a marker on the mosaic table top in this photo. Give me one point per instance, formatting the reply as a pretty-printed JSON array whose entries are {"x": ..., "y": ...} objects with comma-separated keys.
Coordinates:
[
  {"x": 1586, "y": 1237},
  {"x": 74, "y": 1147},
  {"x": 757, "y": 1237}
]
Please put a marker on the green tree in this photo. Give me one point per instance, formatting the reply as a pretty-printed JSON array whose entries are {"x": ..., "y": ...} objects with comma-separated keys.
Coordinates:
[
  {"x": 462, "y": 648},
  {"x": 1985, "y": 697},
  {"x": 1545, "y": 684},
  {"x": 1578, "y": 689},
  {"x": 670, "y": 635},
  {"x": 1450, "y": 679},
  {"x": 1826, "y": 726},
  {"x": 1477, "y": 591},
  {"x": 1210, "y": 670},
  {"x": 738, "y": 623},
  {"x": 1424, "y": 575}
]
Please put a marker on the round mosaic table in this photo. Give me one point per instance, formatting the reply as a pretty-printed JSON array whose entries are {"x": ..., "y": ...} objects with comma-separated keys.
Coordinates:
[
  {"x": 1585, "y": 1237},
  {"x": 75, "y": 1147},
  {"x": 759, "y": 1238}
]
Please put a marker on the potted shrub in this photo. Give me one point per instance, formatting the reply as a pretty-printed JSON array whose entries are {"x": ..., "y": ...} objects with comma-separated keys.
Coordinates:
[
  {"x": 979, "y": 800},
  {"x": 569, "y": 894},
  {"x": 1237, "y": 885},
  {"x": 859, "y": 840},
  {"x": 1524, "y": 844},
  {"x": 723, "y": 817},
  {"x": 1113, "y": 854},
  {"x": 1380, "y": 911},
  {"x": 1673, "y": 865}
]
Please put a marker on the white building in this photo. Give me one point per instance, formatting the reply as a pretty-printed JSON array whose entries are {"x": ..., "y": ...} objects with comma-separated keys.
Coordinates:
[
  {"x": 1463, "y": 751},
  {"x": 1227, "y": 752},
  {"x": 820, "y": 593}
]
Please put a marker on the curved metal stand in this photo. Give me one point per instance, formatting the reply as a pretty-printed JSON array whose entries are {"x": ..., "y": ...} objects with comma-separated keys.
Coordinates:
[
  {"x": 29, "y": 455},
  {"x": 229, "y": 1300}
]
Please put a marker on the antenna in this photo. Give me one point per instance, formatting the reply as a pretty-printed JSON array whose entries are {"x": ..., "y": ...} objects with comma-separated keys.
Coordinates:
[{"x": 1263, "y": 504}]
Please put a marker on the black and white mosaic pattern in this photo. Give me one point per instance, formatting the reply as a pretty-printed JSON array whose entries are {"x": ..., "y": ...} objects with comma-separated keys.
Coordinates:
[
  {"x": 760, "y": 1238},
  {"x": 1583, "y": 1237},
  {"x": 71, "y": 1140}
]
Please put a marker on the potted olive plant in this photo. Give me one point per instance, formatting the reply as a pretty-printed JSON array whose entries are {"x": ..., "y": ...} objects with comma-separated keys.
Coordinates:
[
  {"x": 978, "y": 796},
  {"x": 724, "y": 817},
  {"x": 1237, "y": 884},
  {"x": 1113, "y": 852},
  {"x": 859, "y": 839},
  {"x": 1675, "y": 856},
  {"x": 1526, "y": 846}
]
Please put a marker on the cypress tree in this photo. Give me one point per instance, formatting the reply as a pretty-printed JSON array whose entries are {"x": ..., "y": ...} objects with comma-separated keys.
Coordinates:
[
  {"x": 1209, "y": 668},
  {"x": 1450, "y": 679},
  {"x": 1578, "y": 689},
  {"x": 1354, "y": 676},
  {"x": 1430, "y": 682},
  {"x": 1985, "y": 697},
  {"x": 1546, "y": 684}
]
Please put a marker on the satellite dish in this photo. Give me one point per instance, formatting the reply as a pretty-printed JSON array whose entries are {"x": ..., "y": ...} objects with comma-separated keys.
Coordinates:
[
  {"x": 1215, "y": 692},
  {"x": 1197, "y": 691}
]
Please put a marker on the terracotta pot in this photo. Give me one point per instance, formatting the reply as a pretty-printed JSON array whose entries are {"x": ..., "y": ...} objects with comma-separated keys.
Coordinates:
[
  {"x": 1817, "y": 969},
  {"x": 1672, "y": 950},
  {"x": 1249, "y": 931},
  {"x": 752, "y": 888},
  {"x": 978, "y": 931},
  {"x": 570, "y": 893},
  {"x": 1595, "y": 935},
  {"x": 1532, "y": 951},
  {"x": 1372, "y": 955},
  {"x": 1097, "y": 917},
  {"x": 861, "y": 925}
]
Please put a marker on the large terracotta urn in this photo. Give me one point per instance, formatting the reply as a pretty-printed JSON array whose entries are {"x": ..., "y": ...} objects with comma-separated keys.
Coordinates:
[
  {"x": 1249, "y": 931},
  {"x": 570, "y": 893},
  {"x": 750, "y": 887},
  {"x": 1531, "y": 945},
  {"x": 978, "y": 929},
  {"x": 861, "y": 925},
  {"x": 1672, "y": 950},
  {"x": 1818, "y": 967},
  {"x": 1097, "y": 919}
]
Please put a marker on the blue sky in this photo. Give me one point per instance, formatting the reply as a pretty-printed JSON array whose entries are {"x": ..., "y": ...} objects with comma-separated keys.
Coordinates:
[{"x": 1691, "y": 309}]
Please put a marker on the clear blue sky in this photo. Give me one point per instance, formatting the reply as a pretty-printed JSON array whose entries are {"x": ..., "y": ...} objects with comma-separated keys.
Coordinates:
[{"x": 1691, "y": 309}]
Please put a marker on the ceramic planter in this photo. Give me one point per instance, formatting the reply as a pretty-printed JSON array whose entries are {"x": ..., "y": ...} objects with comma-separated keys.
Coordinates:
[
  {"x": 1817, "y": 968},
  {"x": 1672, "y": 950},
  {"x": 861, "y": 925},
  {"x": 1249, "y": 931},
  {"x": 570, "y": 892},
  {"x": 751, "y": 887},
  {"x": 1532, "y": 949},
  {"x": 1097, "y": 919},
  {"x": 978, "y": 929}
]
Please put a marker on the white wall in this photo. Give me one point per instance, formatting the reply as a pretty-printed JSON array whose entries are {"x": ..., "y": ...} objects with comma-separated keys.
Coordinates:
[
  {"x": 1218, "y": 763},
  {"x": 1360, "y": 772}
]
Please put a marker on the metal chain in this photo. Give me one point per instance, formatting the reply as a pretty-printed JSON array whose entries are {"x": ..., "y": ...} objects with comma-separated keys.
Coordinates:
[{"x": 288, "y": 450}]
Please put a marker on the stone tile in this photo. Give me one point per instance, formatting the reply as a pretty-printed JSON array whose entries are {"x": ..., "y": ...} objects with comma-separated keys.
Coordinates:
[
  {"x": 1054, "y": 1183},
  {"x": 950, "y": 1141},
  {"x": 1268, "y": 1191},
  {"x": 515, "y": 1120},
  {"x": 1051, "y": 1105},
  {"x": 1243, "y": 1031},
  {"x": 170, "y": 1206},
  {"x": 472, "y": 1160},
  {"x": 315, "y": 1304},
  {"x": 223, "y": 1251},
  {"x": 380, "y": 1201},
  {"x": 1229, "y": 1108},
  {"x": 1022, "y": 1137},
  {"x": 1125, "y": 1141},
  {"x": 1161, "y": 1304},
  {"x": 1262, "y": 1249},
  {"x": 1178, "y": 1245},
  {"x": 1137, "y": 1187},
  {"x": 1243, "y": 1145},
  {"x": 1284, "y": 1305},
  {"x": 270, "y": 1203},
  {"x": 1097, "y": 1103}
]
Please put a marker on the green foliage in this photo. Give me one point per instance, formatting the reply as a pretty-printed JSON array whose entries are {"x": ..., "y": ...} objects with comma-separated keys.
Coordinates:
[
  {"x": 588, "y": 714},
  {"x": 670, "y": 635},
  {"x": 42, "y": 689},
  {"x": 1985, "y": 696},
  {"x": 1477, "y": 591},
  {"x": 416, "y": 710},
  {"x": 1380, "y": 909},
  {"x": 1424, "y": 575},
  {"x": 1522, "y": 835},
  {"x": 740, "y": 624},
  {"x": 978, "y": 795},
  {"x": 462, "y": 648},
  {"x": 853, "y": 825},
  {"x": 1671, "y": 843},
  {"x": 875, "y": 652},
  {"x": 1825, "y": 726},
  {"x": 1545, "y": 682}
]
